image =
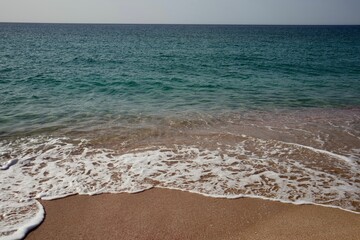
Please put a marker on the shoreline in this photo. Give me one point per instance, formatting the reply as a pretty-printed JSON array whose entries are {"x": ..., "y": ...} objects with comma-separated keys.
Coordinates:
[{"x": 172, "y": 214}]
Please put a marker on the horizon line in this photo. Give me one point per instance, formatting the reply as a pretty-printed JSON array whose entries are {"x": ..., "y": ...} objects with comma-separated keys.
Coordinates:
[{"x": 209, "y": 24}]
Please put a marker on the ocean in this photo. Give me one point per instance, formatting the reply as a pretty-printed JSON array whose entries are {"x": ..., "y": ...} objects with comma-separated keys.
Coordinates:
[{"x": 232, "y": 111}]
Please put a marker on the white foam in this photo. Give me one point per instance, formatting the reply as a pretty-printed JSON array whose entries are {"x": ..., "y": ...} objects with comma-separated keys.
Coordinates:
[
  {"x": 50, "y": 168},
  {"x": 343, "y": 158}
]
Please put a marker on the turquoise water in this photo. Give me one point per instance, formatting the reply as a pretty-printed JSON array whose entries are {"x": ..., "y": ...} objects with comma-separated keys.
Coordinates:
[{"x": 54, "y": 75}]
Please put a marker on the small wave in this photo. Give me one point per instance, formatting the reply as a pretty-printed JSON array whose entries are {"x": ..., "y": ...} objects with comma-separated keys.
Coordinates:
[
  {"x": 5, "y": 70},
  {"x": 93, "y": 60}
]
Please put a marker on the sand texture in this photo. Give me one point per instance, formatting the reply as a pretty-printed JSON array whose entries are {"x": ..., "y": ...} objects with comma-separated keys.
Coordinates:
[{"x": 170, "y": 214}]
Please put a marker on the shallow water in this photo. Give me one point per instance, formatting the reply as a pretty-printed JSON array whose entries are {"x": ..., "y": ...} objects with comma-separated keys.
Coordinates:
[
  {"x": 225, "y": 111},
  {"x": 53, "y": 76}
]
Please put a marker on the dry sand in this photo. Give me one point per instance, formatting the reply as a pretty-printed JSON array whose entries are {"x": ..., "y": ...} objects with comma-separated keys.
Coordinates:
[{"x": 170, "y": 214}]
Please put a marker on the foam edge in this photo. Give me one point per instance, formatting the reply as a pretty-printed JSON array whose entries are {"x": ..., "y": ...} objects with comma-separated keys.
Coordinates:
[
  {"x": 33, "y": 223},
  {"x": 260, "y": 197}
]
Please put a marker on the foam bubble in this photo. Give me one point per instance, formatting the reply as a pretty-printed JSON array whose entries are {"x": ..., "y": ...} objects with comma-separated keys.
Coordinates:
[{"x": 8, "y": 164}]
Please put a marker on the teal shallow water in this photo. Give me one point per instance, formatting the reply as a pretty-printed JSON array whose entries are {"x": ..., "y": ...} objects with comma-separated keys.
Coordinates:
[{"x": 54, "y": 75}]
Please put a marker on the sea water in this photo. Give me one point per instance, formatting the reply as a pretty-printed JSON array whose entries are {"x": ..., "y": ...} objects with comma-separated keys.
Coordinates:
[{"x": 225, "y": 111}]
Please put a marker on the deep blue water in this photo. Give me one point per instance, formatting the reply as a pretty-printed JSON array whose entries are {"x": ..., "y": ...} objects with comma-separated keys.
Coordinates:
[{"x": 53, "y": 75}]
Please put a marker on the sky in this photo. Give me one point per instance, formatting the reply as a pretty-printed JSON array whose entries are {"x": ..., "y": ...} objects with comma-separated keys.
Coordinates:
[{"x": 182, "y": 11}]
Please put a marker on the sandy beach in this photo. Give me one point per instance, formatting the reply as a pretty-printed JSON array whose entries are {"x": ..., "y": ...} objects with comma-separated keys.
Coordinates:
[{"x": 170, "y": 214}]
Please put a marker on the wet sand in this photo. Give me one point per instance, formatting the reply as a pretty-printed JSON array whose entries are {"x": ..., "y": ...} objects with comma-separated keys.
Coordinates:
[{"x": 170, "y": 214}]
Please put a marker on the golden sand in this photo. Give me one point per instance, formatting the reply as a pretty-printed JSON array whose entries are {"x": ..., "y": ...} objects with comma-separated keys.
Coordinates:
[{"x": 170, "y": 214}]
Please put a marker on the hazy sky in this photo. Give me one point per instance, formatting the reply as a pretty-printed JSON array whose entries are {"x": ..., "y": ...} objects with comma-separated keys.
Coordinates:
[{"x": 183, "y": 11}]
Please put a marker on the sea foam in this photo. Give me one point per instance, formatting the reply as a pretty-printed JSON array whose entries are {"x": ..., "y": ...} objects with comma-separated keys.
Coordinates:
[{"x": 49, "y": 168}]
